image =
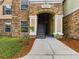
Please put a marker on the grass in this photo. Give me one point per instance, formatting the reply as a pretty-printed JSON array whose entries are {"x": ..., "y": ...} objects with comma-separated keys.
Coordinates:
[{"x": 9, "y": 46}]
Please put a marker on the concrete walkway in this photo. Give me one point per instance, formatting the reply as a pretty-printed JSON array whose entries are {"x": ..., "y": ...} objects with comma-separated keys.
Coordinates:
[{"x": 51, "y": 48}]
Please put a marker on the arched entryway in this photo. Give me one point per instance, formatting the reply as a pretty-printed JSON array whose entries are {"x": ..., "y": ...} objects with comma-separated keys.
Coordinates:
[{"x": 45, "y": 25}]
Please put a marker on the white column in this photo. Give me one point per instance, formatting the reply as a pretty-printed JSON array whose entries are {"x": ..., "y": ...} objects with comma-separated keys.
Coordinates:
[
  {"x": 58, "y": 24},
  {"x": 55, "y": 25},
  {"x": 33, "y": 23}
]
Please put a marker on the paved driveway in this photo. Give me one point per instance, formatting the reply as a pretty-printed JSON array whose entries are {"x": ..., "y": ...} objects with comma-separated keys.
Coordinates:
[{"x": 51, "y": 48}]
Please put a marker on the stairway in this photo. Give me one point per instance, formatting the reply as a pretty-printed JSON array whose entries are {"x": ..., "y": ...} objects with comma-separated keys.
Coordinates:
[{"x": 41, "y": 31}]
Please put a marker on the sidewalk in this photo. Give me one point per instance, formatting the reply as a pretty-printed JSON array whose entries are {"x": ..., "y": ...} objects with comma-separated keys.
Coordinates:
[{"x": 51, "y": 48}]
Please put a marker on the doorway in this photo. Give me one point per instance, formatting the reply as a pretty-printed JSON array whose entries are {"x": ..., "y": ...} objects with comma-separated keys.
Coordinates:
[{"x": 44, "y": 25}]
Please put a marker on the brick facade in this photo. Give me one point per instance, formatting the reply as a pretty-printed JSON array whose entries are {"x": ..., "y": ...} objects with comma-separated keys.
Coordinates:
[
  {"x": 71, "y": 25},
  {"x": 56, "y": 9},
  {"x": 70, "y": 22},
  {"x": 19, "y": 15},
  {"x": 2, "y": 30},
  {"x": 33, "y": 9}
]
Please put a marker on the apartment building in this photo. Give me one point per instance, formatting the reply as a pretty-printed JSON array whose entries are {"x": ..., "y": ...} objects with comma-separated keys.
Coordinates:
[{"x": 37, "y": 18}]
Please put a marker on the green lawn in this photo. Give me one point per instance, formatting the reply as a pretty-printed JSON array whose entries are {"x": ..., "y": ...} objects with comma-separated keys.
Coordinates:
[{"x": 9, "y": 46}]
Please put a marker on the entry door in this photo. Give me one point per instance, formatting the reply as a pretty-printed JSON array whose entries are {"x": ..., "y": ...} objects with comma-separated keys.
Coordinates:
[{"x": 41, "y": 31}]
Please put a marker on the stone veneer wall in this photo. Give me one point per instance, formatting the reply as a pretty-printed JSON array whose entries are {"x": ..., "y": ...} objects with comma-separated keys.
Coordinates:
[
  {"x": 2, "y": 23},
  {"x": 56, "y": 9},
  {"x": 71, "y": 25},
  {"x": 33, "y": 9},
  {"x": 18, "y": 15}
]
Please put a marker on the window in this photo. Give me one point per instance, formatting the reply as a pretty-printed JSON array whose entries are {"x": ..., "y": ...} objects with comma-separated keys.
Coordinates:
[
  {"x": 24, "y": 4},
  {"x": 7, "y": 10},
  {"x": 24, "y": 26},
  {"x": 7, "y": 27}
]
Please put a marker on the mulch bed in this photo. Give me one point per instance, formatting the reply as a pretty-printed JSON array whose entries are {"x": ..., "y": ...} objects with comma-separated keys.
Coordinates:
[
  {"x": 25, "y": 50},
  {"x": 72, "y": 43}
]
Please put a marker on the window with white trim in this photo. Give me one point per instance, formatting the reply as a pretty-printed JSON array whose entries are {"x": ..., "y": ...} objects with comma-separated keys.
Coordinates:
[
  {"x": 7, "y": 27},
  {"x": 24, "y": 4},
  {"x": 7, "y": 10},
  {"x": 24, "y": 26}
]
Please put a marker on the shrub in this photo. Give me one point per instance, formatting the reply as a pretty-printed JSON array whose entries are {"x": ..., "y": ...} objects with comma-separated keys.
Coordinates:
[
  {"x": 24, "y": 37},
  {"x": 58, "y": 36},
  {"x": 32, "y": 28}
]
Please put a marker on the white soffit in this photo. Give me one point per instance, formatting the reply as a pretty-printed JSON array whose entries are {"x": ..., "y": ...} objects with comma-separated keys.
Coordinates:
[{"x": 46, "y": 0}]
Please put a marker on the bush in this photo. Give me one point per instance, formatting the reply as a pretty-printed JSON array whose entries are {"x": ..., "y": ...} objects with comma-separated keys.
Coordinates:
[
  {"x": 24, "y": 37},
  {"x": 58, "y": 36},
  {"x": 32, "y": 28}
]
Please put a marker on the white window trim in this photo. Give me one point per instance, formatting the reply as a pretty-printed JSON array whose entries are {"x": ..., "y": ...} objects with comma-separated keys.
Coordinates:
[
  {"x": 7, "y": 15},
  {"x": 20, "y": 6},
  {"x": 3, "y": 10},
  {"x": 7, "y": 23},
  {"x": 20, "y": 25}
]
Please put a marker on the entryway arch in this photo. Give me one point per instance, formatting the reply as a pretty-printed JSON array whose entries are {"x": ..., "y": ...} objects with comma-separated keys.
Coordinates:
[
  {"x": 57, "y": 23},
  {"x": 45, "y": 24}
]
